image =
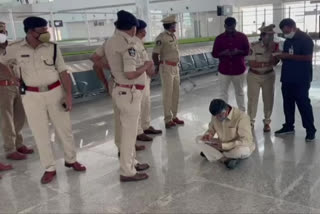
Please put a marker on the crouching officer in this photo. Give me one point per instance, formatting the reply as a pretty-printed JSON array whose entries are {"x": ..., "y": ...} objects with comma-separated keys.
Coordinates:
[
  {"x": 167, "y": 50},
  {"x": 129, "y": 82},
  {"x": 11, "y": 108},
  {"x": 261, "y": 75},
  {"x": 46, "y": 86},
  {"x": 145, "y": 116}
]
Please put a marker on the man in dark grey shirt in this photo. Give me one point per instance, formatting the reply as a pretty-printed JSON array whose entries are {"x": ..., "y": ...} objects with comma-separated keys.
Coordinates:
[{"x": 296, "y": 78}]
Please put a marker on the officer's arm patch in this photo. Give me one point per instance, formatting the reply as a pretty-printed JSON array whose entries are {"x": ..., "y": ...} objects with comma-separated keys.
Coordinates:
[
  {"x": 159, "y": 43},
  {"x": 132, "y": 52}
]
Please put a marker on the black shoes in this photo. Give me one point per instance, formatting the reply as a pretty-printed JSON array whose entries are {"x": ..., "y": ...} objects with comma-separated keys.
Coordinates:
[
  {"x": 284, "y": 131},
  {"x": 232, "y": 163},
  {"x": 310, "y": 137}
]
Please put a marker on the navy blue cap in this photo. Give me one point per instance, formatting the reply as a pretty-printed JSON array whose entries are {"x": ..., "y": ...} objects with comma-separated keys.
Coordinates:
[
  {"x": 34, "y": 22},
  {"x": 126, "y": 20},
  {"x": 142, "y": 24}
]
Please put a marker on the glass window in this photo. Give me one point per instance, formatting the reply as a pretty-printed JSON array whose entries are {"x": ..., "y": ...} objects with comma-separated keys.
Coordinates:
[{"x": 254, "y": 16}]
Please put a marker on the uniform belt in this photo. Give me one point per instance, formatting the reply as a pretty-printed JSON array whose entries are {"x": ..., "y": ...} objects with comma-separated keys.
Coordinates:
[
  {"x": 169, "y": 63},
  {"x": 43, "y": 88},
  {"x": 7, "y": 83},
  {"x": 260, "y": 73},
  {"x": 138, "y": 87}
]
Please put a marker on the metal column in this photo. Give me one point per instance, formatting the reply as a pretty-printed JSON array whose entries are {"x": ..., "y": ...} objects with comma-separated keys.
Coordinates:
[{"x": 12, "y": 25}]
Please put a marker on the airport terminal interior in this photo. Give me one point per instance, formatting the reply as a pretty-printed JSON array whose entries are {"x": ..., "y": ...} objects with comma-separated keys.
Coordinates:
[{"x": 282, "y": 175}]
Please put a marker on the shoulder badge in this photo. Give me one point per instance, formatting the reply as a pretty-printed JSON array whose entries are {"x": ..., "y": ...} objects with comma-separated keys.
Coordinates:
[
  {"x": 158, "y": 43},
  {"x": 132, "y": 52}
]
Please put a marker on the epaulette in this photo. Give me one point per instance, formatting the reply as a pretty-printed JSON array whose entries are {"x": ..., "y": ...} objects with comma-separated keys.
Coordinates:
[{"x": 15, "y": 42}]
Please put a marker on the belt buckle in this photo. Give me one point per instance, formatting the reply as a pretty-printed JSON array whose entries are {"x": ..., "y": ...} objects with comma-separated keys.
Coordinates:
[{"x": 43, "y": 88}]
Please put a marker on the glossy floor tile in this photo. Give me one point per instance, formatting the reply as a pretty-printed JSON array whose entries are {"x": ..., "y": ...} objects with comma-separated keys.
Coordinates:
[{"x": 282, "y": 175}]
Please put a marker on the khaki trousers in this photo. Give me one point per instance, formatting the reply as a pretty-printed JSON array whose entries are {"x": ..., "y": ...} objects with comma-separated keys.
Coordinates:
[
  {"x": 170, "y": 80},
  {"x": 255, "y": 83},
  {"x": 238, "y": 84},
  {"x": 117, "y": 125},
  {"x": 116, "y": 116},
  {"x": 40, "y": 108},
  {"x": 145, "y": 115},
  {"x": 12, "y": 118},
  {"x": 212, "y": 154},
  {"x": 127, "y": 109}
]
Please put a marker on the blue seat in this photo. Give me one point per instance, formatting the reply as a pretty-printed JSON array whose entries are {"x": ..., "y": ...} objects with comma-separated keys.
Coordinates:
[
  {"x": 212, "y": 62},
  {"x": 78, "y": 87},
  {"x": 94, "y": 86},
  {"x": 187, "y": 65},
  {"x": 200, "y": 62}
]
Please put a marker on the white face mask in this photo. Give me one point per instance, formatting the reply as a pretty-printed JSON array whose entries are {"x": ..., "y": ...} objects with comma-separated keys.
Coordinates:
[
  {"x": 3, "y": 38},
  {"x": 290, "y": 35}
]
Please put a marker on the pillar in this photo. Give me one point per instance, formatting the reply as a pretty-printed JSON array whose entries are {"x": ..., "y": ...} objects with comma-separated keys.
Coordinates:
[{"x": 143, "y": 12}]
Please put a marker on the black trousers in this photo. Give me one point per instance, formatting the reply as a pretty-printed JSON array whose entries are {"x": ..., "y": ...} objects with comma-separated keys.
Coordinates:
[{"x": 297, "y": 93}]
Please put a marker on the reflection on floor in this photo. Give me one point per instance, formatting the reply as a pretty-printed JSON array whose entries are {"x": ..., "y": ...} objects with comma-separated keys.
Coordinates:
[{"x": 283, "y": 175}]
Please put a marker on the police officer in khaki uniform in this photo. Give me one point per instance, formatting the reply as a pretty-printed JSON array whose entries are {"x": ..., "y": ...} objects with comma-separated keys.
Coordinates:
[
  {"x": 4, "y": 71},
  {"x": 47, "y": 87},
  {"x": 129, "y": 83},
  {"x": 145, "y": 116},
  {"x": 261, "y": 75},
  {"x": 11, "y": 109},
  {"x": 100, "y": 63},
  {"x": 166, "y": 58}
]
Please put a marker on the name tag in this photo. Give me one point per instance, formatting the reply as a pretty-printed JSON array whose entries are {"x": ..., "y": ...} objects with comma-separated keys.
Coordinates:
[{"x": 25, "y": 56}]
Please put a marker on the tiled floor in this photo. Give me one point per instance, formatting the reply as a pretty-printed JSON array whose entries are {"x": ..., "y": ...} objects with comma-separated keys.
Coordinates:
[{"x": 282, "y": 176}]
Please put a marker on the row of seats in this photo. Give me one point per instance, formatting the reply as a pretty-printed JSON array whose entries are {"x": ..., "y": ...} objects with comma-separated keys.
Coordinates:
[{"x": 87, "y": 86}]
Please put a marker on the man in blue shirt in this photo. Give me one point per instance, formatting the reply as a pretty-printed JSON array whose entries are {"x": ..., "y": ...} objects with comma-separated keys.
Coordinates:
[{"x": 296, "y": 78}]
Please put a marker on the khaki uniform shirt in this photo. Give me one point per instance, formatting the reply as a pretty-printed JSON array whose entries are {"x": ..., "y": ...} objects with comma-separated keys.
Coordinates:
[
  {"x": 260, "y": 53},
  {"x": 35, "y": 65},
  {"x": 121, "y": 52},
  {"x": 234, "y": 131},
  {"x": 167, "y": 47},
  {"x": 3, "y": 75},
  {"x": 142, "y": 55},
  {"x": 100, "y": 52}
]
